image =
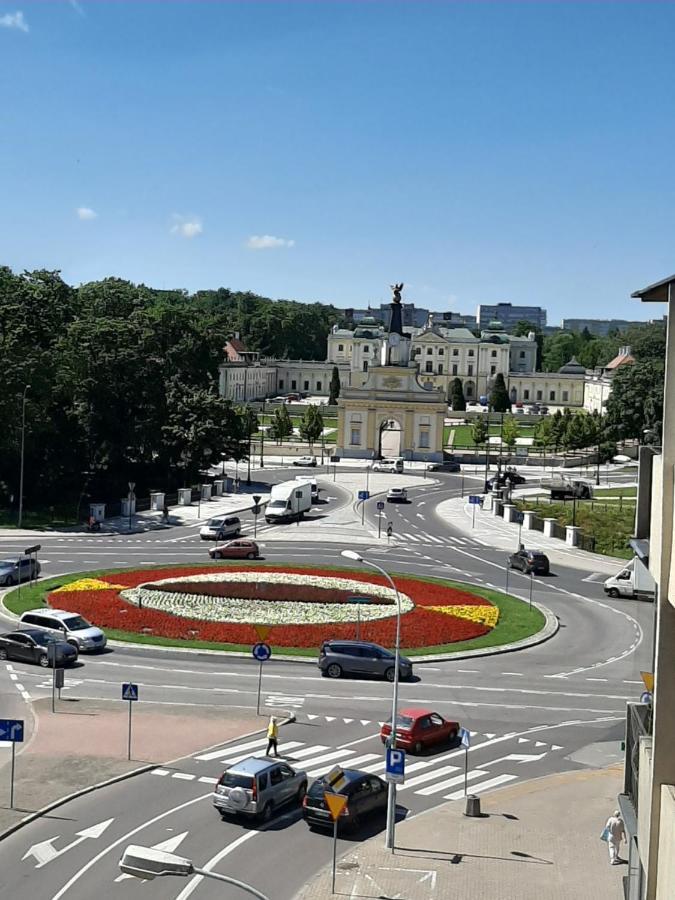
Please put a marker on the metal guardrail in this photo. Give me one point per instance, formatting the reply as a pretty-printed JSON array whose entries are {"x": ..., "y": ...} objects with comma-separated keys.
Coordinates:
[
  {"x": 558, "y": 531},
  {"x": 638, "y": 724},
  {"x": 586, "y": 542},
  {"x": 536, "y": 524}
]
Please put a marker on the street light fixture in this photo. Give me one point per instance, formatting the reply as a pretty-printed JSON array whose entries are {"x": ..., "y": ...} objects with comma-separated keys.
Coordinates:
[
  {"x": 147, "y": 863},
  {"x": 391, "y": 797},
  {"x": 23, "y": 443}
]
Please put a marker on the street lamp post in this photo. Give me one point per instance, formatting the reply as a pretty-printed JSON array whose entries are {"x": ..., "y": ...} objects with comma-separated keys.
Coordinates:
[
  {"x": 23, "y": 444},
  {"x": 148, "y": 863},
  {"x": 391, "y": 797},
  {"x": 262, "y": 437},
  {"x": 248, "y": 473}
]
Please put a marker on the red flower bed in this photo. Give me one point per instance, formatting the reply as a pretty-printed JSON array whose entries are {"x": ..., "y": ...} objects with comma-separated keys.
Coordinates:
[{"x": 419, "y": 628}]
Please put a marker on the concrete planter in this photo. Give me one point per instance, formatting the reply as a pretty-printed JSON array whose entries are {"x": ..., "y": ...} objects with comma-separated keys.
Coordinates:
[
  {"x": 528, "y": 517},
  {"x": 157, "y": 500},
  {"x": 572, "y": 535},
  {"x": 206, "y": 491},
  {"x": 509, "y": 512},
  {"x": 548, "y": 527},
  {"x": 185, "y": 496},
  {"x": 97, "y": 511},
  {"x": 128, "y": 506},
  {"x": 218, "y": 487}
]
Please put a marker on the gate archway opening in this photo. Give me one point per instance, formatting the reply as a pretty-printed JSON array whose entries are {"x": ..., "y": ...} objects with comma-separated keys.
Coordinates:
[{"x": 389, "y": 438}]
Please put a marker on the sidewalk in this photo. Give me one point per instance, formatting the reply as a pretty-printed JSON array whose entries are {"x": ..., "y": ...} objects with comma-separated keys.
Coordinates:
[
  {"x": 85, "y": 743},
  {"x": 538, "y": 839},
  {"x": 493, "y": 531}
]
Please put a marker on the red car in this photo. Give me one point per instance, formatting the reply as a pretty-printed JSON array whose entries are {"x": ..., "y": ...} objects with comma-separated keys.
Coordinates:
[
  {"x": 239, "y": 549},
  {"x": 418, "y": 728}
]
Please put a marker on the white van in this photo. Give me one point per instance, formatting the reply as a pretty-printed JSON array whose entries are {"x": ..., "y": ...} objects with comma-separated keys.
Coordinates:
[
  {"x": 313, "y": 485},
  {"x": 634, "y": 580},
  {"x": 289, "y": 500},
  {"x": 388, "y": 465}
]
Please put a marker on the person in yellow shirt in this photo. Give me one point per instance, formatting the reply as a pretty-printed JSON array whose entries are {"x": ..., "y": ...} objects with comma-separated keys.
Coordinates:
[{"x": 272, "y": 737}]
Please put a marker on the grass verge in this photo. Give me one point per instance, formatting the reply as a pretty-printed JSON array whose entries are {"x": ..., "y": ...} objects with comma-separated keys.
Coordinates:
[{"x": 516, "y": 620}]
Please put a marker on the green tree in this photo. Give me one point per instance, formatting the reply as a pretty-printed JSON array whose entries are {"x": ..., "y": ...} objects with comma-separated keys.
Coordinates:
[
  {"x": 510, "y": 431},
  {"x": 558, "y": 427},
  {"x": 334, "y": 391},
  {"x": 575, "y": 432},
  {"x": 457, "y": 399},
  {"x": 479, "y": 430},
  {"x": 544, "y": 433},
  {"x": 499, "y": 398},
  {"x": 636, "y": 401},
  {"x": 281, "y": 426},
  {"x": 311, "y": 424}
]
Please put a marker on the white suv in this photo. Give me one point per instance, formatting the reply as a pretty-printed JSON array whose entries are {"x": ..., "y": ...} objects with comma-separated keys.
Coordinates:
[
  {"x": 388, "y": 465},
  {"x": 68, "y": 626}
]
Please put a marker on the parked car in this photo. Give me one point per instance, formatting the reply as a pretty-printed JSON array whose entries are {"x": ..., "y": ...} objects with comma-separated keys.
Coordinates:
[
  {"x": 66, "y": 626},
  {"x": 397, "y": 495},
  {"x": 366, "y": 796},
  {"x": 258, "y": 785},
  {"x": 338, "y": 658},
  {"x": 241, "y": 548},
  {"x": 449, "y": 465},
  {"x": 388, "y": 465},
  {"x": 35, "y": 646},
  {"x": 530, "y": 561},
  {"x": 220, "y": 527},
  {"x": 417, "y": 729},
  {"x": 305, "y": 461},
  {"x": 543, "y": 410},
  {"x": 15, "y": 571}
]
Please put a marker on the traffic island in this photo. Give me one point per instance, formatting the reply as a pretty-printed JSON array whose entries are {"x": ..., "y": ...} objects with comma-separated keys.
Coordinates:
[{"x": 223, "y": 608}]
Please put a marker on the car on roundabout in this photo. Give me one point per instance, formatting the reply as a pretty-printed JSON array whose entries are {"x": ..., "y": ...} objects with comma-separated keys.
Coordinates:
[
  {"x": 530, "y": 562},
  {"x": 257, "y": 786},
  {"x": 366, "y": 797},
  {"x": 397, "y": 495},
  {"x": 309, "y": 461},
  {"x": 241, "y": 548},
  {"x": 418, "y": 729},
  {"x": 448, "y": 465},
  {"x": 35, "y": 646},
  {"x": 220, "y": 527},
  {"x": 338, "y": 658},
  {"x": 18, "y": 570}
]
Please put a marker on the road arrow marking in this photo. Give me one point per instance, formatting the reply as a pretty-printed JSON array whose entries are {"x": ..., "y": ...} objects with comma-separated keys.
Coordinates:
[
  {"x": 44, "y": 853},
  {"x": 170, "y": 845}
]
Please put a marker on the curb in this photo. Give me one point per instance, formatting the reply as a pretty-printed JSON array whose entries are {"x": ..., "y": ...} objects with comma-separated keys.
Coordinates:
[{"x": 67, "y": 798}]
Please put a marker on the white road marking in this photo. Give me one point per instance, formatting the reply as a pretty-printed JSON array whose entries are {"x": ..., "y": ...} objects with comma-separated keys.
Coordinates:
[
  {"x": 451, "y": 782},
  {"x": 192, "y": 885},
  {"x": 482, "y": 787}
]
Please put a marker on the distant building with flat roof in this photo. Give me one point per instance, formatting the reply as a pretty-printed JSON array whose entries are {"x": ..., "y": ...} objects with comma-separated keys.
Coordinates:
[
  {"x": 509, "y": 315},
  {"x": 599, "y": 327}
]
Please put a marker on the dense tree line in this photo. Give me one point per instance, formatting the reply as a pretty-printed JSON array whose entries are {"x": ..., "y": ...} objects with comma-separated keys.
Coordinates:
[{"x": 123, "y": 381}]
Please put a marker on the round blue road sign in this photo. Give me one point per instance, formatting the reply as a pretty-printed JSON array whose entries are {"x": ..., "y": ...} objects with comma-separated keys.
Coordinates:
[{"x": 261, "y": 652}]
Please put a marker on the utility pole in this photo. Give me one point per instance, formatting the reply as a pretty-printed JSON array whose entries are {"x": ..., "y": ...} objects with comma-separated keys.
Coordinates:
[{"x": 23, "y": 444}]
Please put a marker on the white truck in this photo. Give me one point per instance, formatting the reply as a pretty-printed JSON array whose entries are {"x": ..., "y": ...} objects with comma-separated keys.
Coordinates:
[
  {"x": 288, "y": 500},
  {"x": 312, "y": 482},
  {"x": 634, "y": 580}
]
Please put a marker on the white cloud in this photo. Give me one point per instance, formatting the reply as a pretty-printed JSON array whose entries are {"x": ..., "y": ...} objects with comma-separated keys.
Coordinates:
[
  {"x": 267, "y": 242},
  {"x": 85, "y": 213},
  {"x": 14, "y": 20},
  {"x": 186, "y": 226}
]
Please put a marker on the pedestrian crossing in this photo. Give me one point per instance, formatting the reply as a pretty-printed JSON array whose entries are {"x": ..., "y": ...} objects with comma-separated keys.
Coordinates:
[
  {"x": 421, "y": 537},
  {"x": 432, "y": 778}
]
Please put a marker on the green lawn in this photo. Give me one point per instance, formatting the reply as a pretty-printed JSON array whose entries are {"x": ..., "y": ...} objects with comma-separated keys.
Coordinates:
[
  {"x": 463, "y": 438},
  {"x": 516, "y": 620},
  {"x": 40, "y": 518},
  {"x": 624, "y": 492},
  {"x": 610, "y": 524}
]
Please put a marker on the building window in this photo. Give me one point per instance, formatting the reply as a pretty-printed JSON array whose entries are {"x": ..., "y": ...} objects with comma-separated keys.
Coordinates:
[
  {"x": 430, "y": 350},
  {"x": 551, "y": 395},
  {"x": 424, "y": 439},
  {"x": 418, "y": 350},
  {"x": 469, "y": 370},
  {"x": 294, "y": 385},
  {"x": 454, "y": 368},
  {"x": 522, "y": 354},
  {"x": 341, "y": 348},
  {"x": 441, "y": 351},
  {"x": 365, "y": 365},
  {"x": 440, "y": 368},
  {"x": 281, "y": 384},
  {"x": 540, "y": 396},
  {"x": 318, "y": 385},
  {"x": 366, "y": 349},
  {"x": 493, "y": 370},
  {"x": 471, "y": 353},
  {"x": 493, "y": 354},
  {"x": 306, "y": 386},
  {"x": 566, "y": 396},
  {"x": 355, "y": 436},
  {"x": 526, "y": 395},
  {"x": 455, "y": 352},
  {"x": 429, "y": 367}
]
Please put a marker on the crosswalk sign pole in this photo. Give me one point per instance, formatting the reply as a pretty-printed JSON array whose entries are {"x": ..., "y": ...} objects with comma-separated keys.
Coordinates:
[
  {"x": 332, "y": 890},
  {"x": 129, "y": 742},
  {"x": 466, "y": 770},
  {"x": 260, "y": 664},
  {"x": 11, "y": 777}
]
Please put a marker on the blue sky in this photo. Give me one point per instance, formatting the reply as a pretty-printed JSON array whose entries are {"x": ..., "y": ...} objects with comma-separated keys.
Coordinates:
[{"x": 479, "y": 152}]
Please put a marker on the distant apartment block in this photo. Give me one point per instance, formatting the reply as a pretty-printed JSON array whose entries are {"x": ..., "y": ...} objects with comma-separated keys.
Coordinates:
[
  {"x": 599, "y": 327},
  {"x": 453, "y": 320},
  {"x": 509, "y": 315}
]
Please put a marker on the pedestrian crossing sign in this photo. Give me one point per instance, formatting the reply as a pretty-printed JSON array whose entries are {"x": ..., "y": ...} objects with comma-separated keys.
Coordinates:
[
  {"x": 335, "y": 803},
  {"x": 129, "y": 691},
  {"x": 465, "y": 737}
]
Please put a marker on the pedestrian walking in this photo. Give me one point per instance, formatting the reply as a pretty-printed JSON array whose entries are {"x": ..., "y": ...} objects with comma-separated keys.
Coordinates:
[
  {"x": 272, "y": 736},
  {"x": 614, "y": 832}
]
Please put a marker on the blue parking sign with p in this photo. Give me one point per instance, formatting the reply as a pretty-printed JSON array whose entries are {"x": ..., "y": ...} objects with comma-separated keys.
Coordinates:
[{"x": 395, "y": 765}]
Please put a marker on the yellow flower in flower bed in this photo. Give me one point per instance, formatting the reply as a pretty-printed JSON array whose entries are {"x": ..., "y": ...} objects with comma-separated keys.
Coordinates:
[
  {"x": 484, "y": 614},
  {"x": 88, "y": 584}
]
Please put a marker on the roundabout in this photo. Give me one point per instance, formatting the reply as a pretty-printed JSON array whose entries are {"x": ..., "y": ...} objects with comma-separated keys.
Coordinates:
[{"x": 219, "y": 608}]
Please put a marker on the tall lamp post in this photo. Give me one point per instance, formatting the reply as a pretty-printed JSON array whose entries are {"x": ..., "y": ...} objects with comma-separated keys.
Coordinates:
[
  {"x": 23, "y": 444},
  {"x": 391, "y": 797},
  {"x": 262, "y": 437}
]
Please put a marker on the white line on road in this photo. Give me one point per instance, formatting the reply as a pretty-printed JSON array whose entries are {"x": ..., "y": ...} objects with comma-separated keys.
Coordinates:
[{"x": 194, "y": 883}]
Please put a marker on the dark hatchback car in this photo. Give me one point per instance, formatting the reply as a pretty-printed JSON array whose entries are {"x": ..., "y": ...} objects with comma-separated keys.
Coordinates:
[
  {"x": 36, "y": 646},
  {"x": 338, "y": 658},
  {"x": 510, "y": 477},
  {"x": 366, "y": 796},
  {"x": 16, "y": 571},
  {"x": 530, "y": 561}
]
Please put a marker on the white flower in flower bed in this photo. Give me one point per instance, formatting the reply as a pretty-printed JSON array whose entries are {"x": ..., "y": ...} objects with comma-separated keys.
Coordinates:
[{"x": 270, "y": 612}]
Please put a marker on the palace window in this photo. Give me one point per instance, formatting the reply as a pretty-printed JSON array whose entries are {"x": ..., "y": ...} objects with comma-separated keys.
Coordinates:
[
  {"x": 294, "y": 385},
  {"x": 441, "y": 351},
  {"x": 341, "y": 348},
  {"x": 365, "y": 365},
  {"x": 430, "y": 350},
  {"x": 440, "y": 368},
  {"x": 281, "y": 384},
  {"x": 493, "y": 354},
  {"x": 469, "y": 369},
  {"x": 566, "y": 396},
  {"x": 454, "y": 368},
  {"x": 493, "y": 370},
  {"x": 526, "y": 395},
  {"x": 355, "y": 436},
  {"x": 318, "y": 385},
  {"x": 471, "y": 353},
  {"x": 455, "y": 352},
  {"x": 305, "y": 386},
  {"x": 429, "y": 367},
  {"x": 551, "y": 395},
  {"x": 424, "y": 438}
]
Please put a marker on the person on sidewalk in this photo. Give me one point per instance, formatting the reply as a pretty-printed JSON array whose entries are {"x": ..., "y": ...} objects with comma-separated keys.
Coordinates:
[
  {"x": 616, "y": 833},
  {"x": 272, "y": 737}
]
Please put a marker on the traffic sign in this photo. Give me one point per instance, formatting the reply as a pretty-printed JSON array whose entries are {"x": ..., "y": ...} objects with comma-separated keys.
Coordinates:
[
  {"x": 262, "y": 631},
  {"x": 261, "y": 651},
  {"x": 464, "y": 737},
  {"x": 395, "y": 768},
  {"x": 380, "y": 505},
  {"x": 336, "y": 779},
  {"x": 11, "y": 730},
  {"x": 474, "y": 498},
  {"x": 646, "y": 697},
  {"x": 256, "y": 510},
  {"x": 390, "y": 530},
  {"x": 648, "y": 678},
  {"x": 34, "y": 549},
  {"x": 519, "y": 517},
  {"x": 129, "y": 691},
  {"x": 364, "y": 495},
  {"x": 335, "y": 803}
]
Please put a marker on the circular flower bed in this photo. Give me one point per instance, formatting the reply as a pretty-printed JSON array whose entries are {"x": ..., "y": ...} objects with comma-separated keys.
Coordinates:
[{"x": 302, "y": 606}]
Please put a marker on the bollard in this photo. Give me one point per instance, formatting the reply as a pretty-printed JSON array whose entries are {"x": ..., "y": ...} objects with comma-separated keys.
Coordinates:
[{"x": 473, "y": 807}]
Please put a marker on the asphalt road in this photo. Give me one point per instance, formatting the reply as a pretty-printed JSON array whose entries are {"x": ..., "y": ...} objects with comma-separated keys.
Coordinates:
[{"x": 553, "y": 707}]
